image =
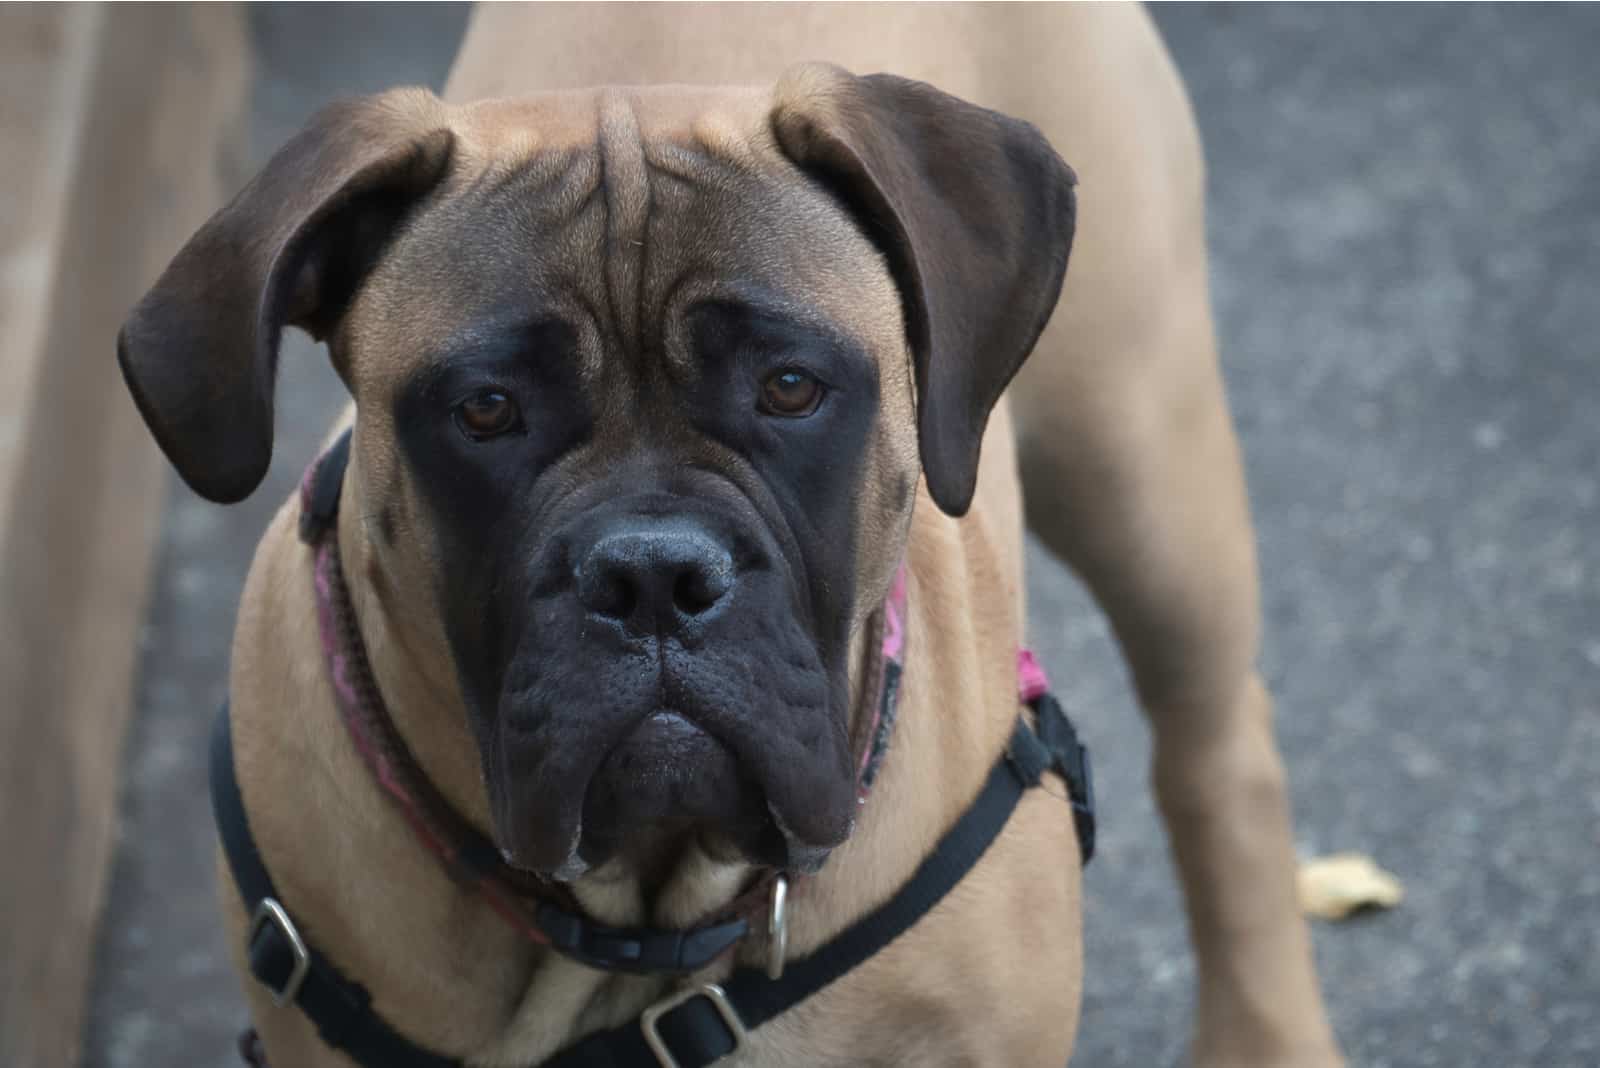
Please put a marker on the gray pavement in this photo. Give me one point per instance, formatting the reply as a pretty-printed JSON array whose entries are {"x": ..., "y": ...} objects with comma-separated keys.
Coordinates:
[{"x": 1405, "y": 224}]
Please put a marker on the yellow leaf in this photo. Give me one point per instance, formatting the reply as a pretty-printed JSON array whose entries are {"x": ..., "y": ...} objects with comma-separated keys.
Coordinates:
[{"x": 1335, "y": 886}]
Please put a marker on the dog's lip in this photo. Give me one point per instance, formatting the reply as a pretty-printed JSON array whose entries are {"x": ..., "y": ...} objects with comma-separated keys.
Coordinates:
[
  {"x": 684, "y": 725},
  {"x": 672, "y": 719},
  {"x": 570, "y": 870},
  {"x": 671, "y": 723},
  {"x": 662, "y": 717},
  {"x": 800, "y": 855},
  {"x": 681, "y": 715}
]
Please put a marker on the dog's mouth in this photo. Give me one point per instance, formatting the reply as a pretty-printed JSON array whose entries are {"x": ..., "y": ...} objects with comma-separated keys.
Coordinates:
[
  {"x": 738, "y": 789},
  {"x": 669, "y": 781}
]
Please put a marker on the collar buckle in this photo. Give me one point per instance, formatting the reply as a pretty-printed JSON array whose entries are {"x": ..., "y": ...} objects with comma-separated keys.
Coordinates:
[{"x": 271, "y": 917}]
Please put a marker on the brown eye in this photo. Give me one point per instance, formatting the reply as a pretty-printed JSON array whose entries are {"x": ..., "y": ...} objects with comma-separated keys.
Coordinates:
[
  {"x": 486, "y": 414},
  {"x": 791, "y": 393}
]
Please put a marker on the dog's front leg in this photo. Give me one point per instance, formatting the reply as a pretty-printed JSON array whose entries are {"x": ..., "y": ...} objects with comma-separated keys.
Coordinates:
[{"x": 1131, "y": 474}]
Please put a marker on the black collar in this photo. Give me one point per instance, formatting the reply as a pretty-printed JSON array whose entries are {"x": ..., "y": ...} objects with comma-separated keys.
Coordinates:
[{"x": 695, "y": 1026}]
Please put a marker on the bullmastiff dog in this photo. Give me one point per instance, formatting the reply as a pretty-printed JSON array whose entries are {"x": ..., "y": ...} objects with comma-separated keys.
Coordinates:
[{"x": 656, "y": 389}]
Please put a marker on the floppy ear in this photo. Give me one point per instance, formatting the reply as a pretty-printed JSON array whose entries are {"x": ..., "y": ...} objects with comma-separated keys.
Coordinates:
[
  {"x": 200, "y": 351},
  {"x": 974, "y": 212}
]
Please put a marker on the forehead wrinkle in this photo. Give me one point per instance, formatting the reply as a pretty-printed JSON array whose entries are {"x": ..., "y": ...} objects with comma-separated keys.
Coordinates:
[
  {"x": 627, "y": 203},
  {"x": 702, "y": 223},
  {"x": 589, "y": 321},
  {"x": 697, "y": 165},
  {"x": 554, "y": 210},
  {"x": 558, "y": 184},
  {"x": 677, "y": 358}
]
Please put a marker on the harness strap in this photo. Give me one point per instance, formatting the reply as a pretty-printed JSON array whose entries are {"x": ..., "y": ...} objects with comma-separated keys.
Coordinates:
[
  {"x": 694, "y": 1028},
  {"x": 279, "y": 955}
]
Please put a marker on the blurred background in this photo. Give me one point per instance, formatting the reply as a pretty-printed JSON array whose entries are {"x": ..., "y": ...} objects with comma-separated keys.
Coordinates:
[{"x": 1405, "y": 230}]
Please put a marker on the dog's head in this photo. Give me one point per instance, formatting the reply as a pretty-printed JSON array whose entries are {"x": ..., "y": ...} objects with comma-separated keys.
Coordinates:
[{"x": 643, "y": 381}]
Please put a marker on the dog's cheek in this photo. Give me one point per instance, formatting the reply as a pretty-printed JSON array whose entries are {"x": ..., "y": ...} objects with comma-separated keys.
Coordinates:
[
  {"x": 890, "y": 476},
  {"x": 799, "y": 723}
]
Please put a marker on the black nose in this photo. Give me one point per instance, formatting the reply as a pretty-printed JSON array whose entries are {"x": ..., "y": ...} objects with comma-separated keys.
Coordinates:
[{"x": 654, "y": 573}]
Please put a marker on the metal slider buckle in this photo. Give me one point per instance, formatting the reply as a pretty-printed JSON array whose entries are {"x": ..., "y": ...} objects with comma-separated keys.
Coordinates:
[
  {"x": 270, "y": 913},
  {"x": 650, "y": 1021}
]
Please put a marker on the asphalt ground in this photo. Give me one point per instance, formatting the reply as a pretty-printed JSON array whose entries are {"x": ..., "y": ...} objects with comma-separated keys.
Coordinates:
[{"x": 1405, "y": 227}]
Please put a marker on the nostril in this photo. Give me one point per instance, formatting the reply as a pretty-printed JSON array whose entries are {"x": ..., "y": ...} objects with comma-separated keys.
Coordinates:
[
  {"x": 697, "y": 590},
  {"x": 619, "y": 599},
  {"x": 608, "y": 591}
]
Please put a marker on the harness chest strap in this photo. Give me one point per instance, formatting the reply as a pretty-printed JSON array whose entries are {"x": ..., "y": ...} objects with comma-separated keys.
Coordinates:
[{"x": 697, "y": 1025}]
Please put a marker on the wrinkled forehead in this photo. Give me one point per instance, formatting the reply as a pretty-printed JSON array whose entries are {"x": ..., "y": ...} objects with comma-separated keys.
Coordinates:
[{"x": 621, "y": 210}]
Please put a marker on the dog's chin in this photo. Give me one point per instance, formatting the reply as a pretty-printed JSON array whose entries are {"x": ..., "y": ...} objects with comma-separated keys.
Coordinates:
[{"x": 668, "y": 785}]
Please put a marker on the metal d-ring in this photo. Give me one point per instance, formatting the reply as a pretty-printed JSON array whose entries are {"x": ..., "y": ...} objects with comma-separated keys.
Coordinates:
[{"x": 778, "y": 927}]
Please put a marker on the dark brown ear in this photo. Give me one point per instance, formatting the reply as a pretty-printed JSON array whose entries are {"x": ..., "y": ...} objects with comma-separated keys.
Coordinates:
[
  {"x": 974, "y": 212},
  {"x": 200, "y": 351}
]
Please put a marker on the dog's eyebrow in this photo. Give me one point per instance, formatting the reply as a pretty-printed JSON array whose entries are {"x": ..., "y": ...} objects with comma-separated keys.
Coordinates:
[
  {"x": 508, "y": 339},
  {"x": 773, "y": 319}
]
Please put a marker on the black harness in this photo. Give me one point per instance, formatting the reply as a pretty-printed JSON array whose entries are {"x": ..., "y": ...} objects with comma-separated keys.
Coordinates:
[{"x": 692, "y": 1027}]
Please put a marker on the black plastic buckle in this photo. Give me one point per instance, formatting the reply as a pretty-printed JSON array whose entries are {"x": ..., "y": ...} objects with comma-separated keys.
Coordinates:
[
  {"x": 1080, "y": 787},
  {"x": 636, "y": 951},
  {"x": 1070, "y": 758}
]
